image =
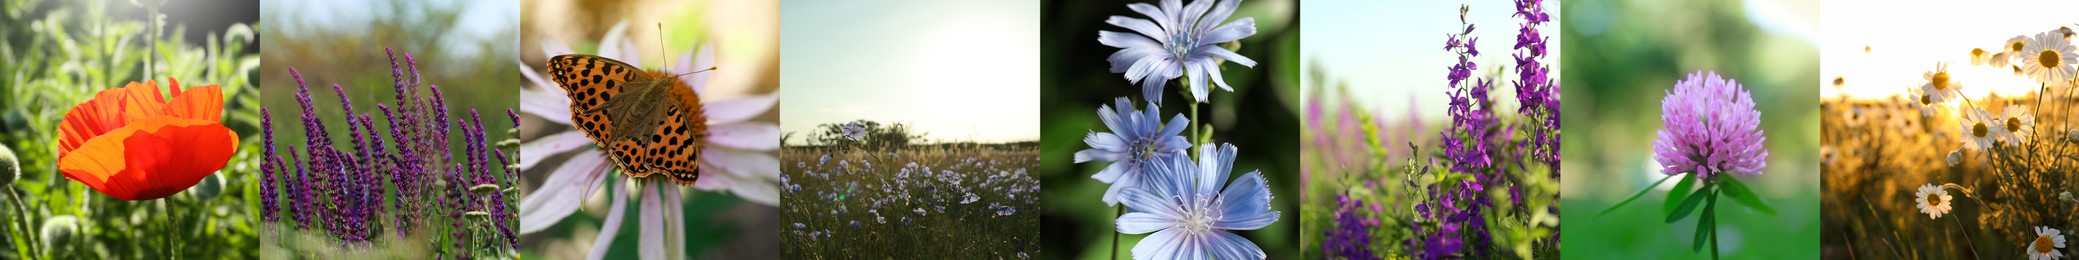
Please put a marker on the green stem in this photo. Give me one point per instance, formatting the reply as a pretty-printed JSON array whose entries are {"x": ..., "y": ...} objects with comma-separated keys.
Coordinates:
[
  {"x": 22, "y": 213},
  {"x": 1115, "y": 235},
  {"x": 1711, "y": 211}
]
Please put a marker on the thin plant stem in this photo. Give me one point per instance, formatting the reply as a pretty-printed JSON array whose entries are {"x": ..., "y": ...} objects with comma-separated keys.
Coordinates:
[
  {"x": 23, "y": 214},
  {"x": 1115, "y": 235},
  {"x": 1973, "y": 246}
]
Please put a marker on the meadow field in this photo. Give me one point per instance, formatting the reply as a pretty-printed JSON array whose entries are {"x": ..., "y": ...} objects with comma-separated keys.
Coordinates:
[{"x": 915, "y": 201}]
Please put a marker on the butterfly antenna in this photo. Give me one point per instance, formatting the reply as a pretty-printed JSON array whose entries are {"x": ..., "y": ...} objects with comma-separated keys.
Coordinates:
[{"x": 666, "y": 58}]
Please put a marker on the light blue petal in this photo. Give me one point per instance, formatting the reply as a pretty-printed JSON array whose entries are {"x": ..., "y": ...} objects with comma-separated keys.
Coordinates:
[
  {"x": 1111, "y": 173},
  {"x": 1129, "y": 41},
  {"x": 1099, "y": 155},
  {"x": 1153, "y": 13},
  {"x": 1219, "y": 13},
  {"x": 1148, "y": 67},
  {"x": 1177, "y": 125},
  {"x": 1108, "y": 142},
  {"x": 1197, "y": 77},
  {"x": 1165, "y": 244},
  {"x": 1171, "y": 9},
  {"x": 1130, "y": 179},
  {"x": 1230, "y": 246},
  {"x": 1142, "y": 223},
  {"x": 1143, "y": 198},
  {"x": 1124, "y": 59},
  {"x": 1142, "y": 26},
  {"x": 1110, "y": 117},
  {"x": 1245, "y": 205},
  {"x": 1213, "y": 69},
  {"x": 1233, "y": 31},
  {"x": 1191, "y": 14},
  {"x": 1222, "y": 53},
  {"x": 1214, "y": 163},
  {"x": 1151, "y": 85},
  {"x": 1175, "y": 144}
]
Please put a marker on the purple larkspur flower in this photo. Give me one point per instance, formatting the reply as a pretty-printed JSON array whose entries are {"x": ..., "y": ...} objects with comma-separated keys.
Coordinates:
[
  {"x": 1137, "y": 137},
  {"x": 1537, "y": 95},
  {"x": 1351, "y": 237},
  {"x": 1177, "y": 40},
  {"x": 1711, "y": 127}
]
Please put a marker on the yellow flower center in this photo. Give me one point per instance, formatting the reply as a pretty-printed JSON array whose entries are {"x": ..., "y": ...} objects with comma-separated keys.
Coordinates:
[
  {"x": 1927, "y": 100},
  {"x": 2013, "y": 124},
  {"x": 1979, "y": 130},
  {"x": 2043, "y": 245},
  {"x": 2016, "y": 46},
  {"x": 1977, "y": 52},
  {"x": 2048, "y": 58},
  {"x": 1934, "y": 200},
  {"x": 1941, "y": 80}
]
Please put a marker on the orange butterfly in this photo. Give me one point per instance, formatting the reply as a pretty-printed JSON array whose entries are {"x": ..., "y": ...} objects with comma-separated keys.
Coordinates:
[{"x": 648, "y": 121}]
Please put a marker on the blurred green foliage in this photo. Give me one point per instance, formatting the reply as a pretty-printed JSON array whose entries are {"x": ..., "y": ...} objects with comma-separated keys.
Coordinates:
[
  {"x": 1622, "y": 56},
  {"x": 59, "y": 53},
  {"x": 1260, "y": 117}
]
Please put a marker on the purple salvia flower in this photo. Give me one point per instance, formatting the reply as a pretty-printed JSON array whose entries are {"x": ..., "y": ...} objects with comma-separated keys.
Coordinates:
[
  {"x": 1711, "y": 128},
  {"x": 267, "y": 169}
]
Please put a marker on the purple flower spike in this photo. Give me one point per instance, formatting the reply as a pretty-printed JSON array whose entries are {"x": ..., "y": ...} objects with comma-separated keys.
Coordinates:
[{"x": 1711, "y": 128}]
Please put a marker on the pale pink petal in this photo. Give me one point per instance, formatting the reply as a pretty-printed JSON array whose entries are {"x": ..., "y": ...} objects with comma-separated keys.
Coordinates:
[
  {"x": 714, "y": 180},
  {"x": 538, "y": 80},
  {"x": 687, "y": 63},
  {"x": 676, "y": 224},
  {"x": 738, "y": 109},
  {"x": 652, "y": 222},
  {"x": 552, "y": 105},
  {"x": 617, "y": 46},
  {"x": 562, "y": 193},
  {"x": 541, "y": 148},
  {"x": 742, "y": 163},
  {"x": 755, "y": 136},
  {"x": 762, "y": 193},
  {"x": 612, "y": 227},
  {"x": 551, "y": 47}
]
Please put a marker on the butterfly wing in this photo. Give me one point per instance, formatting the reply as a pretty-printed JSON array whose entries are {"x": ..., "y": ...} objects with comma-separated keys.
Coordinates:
[{"x": 667, "y": 141}]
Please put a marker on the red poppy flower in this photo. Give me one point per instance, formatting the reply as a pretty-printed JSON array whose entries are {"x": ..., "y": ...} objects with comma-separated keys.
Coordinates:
[{"x": 132, "y": 144}]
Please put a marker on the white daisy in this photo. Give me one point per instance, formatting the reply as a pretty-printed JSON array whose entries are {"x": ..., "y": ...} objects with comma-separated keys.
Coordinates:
[
  {"x": 1854, "y": 115},
  {"x": 1921, "y": 100},
  {"x": 1939, "y": 84},
  {"x": 2010, "y": 51},
  {"x": 2049, "y": 58},
  {"x": 2046, "y": 244},
  {"x": 1933, "y": 200},
  {"x": 1979, "y": 130},
  {"x": 2017, "y": 123}
]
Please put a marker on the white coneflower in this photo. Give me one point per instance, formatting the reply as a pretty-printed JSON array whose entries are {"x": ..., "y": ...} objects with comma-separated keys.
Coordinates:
[
  {"x": 2045, "y": 245},
  {"x": 1933, "y": 200}
]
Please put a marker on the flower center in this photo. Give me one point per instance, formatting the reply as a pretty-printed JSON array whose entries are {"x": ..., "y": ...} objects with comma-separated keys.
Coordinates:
[
  {"x": 2013, "y": 124},
  {"x": 1147, "y": 150},
  {"x": 1927, "y": 99},
  {"x": 1181, "y": 44},
  {"x": 1979, "y": 130},
  {"x": 1975, "y": 52},
  {"x": 2017, "y": 46},
  {"x": 2048, "y": 58},
  {"x": 2043, "y": 245},
  {"x": 1941, "y": 80},
  {"x": 1934, "y": 200},
  {"x": 1198, "y": 216}
]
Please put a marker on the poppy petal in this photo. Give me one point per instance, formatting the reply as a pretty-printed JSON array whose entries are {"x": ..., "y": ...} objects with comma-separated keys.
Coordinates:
[
  {"x": 204, "y": 103},
  {"x": 143, "y": 101},
  {"x": 97, "y": 116},
  {"x": 151, "y": 158}
]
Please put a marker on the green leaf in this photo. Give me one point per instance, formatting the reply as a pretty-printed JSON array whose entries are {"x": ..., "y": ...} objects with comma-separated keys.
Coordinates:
[
  {"x": 1634, "y": 196},
  {"x": 1688, "y": 204},
  {"x": 1739, "y": 192},
  {"x": 1706, "y": 224},
  {"x": 1677, "y": 195}
]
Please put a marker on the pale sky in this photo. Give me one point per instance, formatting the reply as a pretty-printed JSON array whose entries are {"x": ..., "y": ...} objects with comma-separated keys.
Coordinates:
[
  {"x": 479, "y": 19},
  {"x": 957, "y": 69},
  {"x": 1390, "y": 50},
  {"x": 1907, "y": 38}
]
